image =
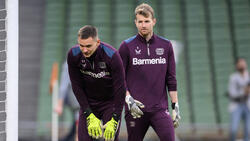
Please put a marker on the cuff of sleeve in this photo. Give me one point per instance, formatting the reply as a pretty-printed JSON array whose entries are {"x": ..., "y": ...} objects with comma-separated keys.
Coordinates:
[
  {"x": 172, "y": 87},
  {"x": 116, "y": 117},
  {"x": 87, "y": 112}
]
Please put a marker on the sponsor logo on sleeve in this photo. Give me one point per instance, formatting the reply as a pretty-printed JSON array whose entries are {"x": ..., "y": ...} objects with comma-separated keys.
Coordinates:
[
  {"x": 132, "y": 124},
  {"x": 159, "y": 51},
  {"x": 167, "y": 112}
]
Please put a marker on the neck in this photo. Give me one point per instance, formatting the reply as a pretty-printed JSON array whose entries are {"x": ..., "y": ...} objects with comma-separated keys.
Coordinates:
[{"x": 148, "y": 36}]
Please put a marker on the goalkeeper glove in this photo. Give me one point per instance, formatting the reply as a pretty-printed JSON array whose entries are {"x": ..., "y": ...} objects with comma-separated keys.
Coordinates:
[
  {"x": 110, "y": 128},
  {"x": 134, "y": 106},
  {"x": 93, "y": 125},
  {"x": 175, "y": 114}
]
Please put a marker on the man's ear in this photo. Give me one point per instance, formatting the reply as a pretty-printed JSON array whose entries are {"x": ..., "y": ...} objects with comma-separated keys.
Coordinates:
[
  {"x": 98, "y": 41},
  {"x": 154, "y": 21}
]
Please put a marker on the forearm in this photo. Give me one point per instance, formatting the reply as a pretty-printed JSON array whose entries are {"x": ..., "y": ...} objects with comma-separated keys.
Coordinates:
[
  {"x": 173, "y": 96},
  {"x": 119, "y": 100},
  {"x": 76, "y": 83},
  {"x": 80, "y": 96},
  {"x": 119, "y": 88}
]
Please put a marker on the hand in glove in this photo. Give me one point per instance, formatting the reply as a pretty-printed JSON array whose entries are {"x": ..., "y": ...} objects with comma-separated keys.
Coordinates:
[
  {"x": 134, "y": 106},
  {"x": 110, "y": 129},
  {"x": 94, "y": 126},
  {"x": 175, "y": 114}
]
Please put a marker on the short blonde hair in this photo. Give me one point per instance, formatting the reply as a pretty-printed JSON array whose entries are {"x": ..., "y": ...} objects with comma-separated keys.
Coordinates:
[{"x": 145, "y": 10}]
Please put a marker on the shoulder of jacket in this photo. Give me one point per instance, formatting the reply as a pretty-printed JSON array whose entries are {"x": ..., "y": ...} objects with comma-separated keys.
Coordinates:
[
  {"x": 75, "y": 50},
  {"x": 108, "y": 49},
  {"x": 130, "y": 39}
]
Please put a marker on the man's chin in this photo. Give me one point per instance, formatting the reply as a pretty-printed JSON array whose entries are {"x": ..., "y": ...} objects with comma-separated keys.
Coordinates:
[
  {"x": 86, "y": 55},
  {"x": 144, "y": 34}
]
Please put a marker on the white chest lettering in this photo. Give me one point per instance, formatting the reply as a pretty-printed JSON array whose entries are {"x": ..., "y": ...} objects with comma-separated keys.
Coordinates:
[{"x": 159, "y": 60}]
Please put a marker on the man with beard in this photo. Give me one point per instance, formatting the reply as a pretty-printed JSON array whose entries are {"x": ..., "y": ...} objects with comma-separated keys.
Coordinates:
[
  {"x": 149, "y": 68},
  {"x": 239, "y": 91}
]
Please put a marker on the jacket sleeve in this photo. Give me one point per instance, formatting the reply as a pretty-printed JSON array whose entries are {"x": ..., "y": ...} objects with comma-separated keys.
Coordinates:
[
  {"x": 124, "y": 53},
  {"x": 76, "y": 82},
  {"x": 171, "y": 70},
  {"x": 118, "y": 78}
]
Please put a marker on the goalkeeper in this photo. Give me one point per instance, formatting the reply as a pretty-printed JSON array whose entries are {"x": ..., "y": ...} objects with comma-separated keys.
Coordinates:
[
  {"x": 150, "y": 67},
  {"x": 97, "y": 76}
]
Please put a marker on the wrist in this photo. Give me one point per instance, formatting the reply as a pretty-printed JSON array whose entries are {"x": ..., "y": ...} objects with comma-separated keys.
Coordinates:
[
  {"x": 174, "y": 104},
  {"x": 116, "y": 117},
  {"x": 87, "y": 112},
  {"x": 127, "y": 98}
]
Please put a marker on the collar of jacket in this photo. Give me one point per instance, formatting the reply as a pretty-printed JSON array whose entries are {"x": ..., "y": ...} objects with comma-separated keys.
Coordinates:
[
  {"x": 98, "y": 50},
  {"x": 142, "y": 39}
]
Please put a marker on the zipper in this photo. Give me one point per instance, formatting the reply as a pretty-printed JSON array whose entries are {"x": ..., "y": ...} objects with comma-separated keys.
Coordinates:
[
  {"x": 148, "y": 49},
  {"x": 92, "y": 65}
]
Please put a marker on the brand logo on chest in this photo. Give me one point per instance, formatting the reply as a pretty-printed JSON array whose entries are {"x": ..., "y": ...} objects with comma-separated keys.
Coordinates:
[
  {"x": 137, "y": 51},
  {"x": 83, "y": 63}
]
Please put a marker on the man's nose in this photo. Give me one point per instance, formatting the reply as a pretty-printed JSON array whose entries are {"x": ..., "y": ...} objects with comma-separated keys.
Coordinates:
[
  {"x": 85, "y": 50},
  {"x": 143, "y": 24}
]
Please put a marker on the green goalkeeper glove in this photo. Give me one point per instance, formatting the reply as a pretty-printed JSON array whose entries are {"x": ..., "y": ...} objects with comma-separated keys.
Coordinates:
[
  {"x": 94, "y": 126},
  {"x": 110, "y": 129},
  {"x": 175, "y": 114}
]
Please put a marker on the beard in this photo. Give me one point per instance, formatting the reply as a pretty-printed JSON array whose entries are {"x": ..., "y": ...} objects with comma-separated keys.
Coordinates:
[
  {"x": 241, "y": 70},
  {"x": 145, "y": 32}
]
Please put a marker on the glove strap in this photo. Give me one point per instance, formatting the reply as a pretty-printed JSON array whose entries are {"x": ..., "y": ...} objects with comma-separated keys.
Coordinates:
[
  {"x": 127, "y": 99},
  {"x": 87, "y": 112},
  {"x": 116, "y": 117},
  {"x": 174, "y": 105}
]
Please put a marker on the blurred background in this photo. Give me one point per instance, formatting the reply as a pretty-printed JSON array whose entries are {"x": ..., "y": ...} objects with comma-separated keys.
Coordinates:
[{"x": 209, "y": 36}]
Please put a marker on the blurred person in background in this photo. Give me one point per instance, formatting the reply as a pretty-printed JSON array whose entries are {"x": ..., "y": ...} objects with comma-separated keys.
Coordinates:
[
  {"x": 67, "y": 98},
  {"x": 98, "y": 81},
  {"x": 239, "y": 93},
  {"x": 149, "y": 65}
]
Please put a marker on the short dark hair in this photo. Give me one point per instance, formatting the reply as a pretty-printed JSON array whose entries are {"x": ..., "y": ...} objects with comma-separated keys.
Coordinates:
[
  {"x": 87, "y": 31},
  {"x": 238, "y": 59}
]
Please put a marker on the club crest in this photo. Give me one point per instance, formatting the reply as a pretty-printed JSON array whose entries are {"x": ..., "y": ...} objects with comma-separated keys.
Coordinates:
[
  {"x": 159, "y": 51},
  {"x": 102, "y": 65}
]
